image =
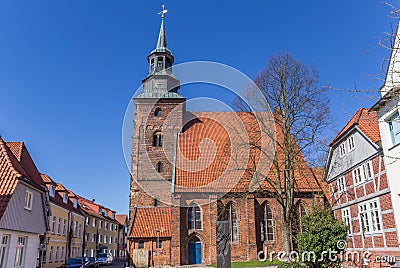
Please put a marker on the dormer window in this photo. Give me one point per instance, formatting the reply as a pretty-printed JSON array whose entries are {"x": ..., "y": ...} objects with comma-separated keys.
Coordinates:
[
  {"x": 106, "y": 213},
  {"x": 113, "y": 215},
  {"x": 75, "y": 203},
  {"x": 100, "y": 210},
  {"x": 52, "y": 190},
  {"x": 65, "y": 198}
]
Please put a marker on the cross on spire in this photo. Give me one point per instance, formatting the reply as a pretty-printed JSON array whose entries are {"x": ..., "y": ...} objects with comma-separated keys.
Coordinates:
[{"x": 163, "y": 12}]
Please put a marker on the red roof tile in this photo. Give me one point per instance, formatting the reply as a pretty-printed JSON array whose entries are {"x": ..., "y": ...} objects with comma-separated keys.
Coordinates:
[
  {"x": 58, "y": 198},
  {"x": 203, "y": 161},
  {"x": 24, "y": 158},
  {"x": 92, "y": 208},
  {"x": 367, "y": 122},
  {"x": 121, "y": 218},
  {"x": 147, "y": 220}
]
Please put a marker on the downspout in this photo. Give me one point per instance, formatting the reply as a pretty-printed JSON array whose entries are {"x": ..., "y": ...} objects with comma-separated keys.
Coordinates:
[
  {"x": 84, "y": 237},
  {"x": 69, "y": 237},
  {"x": 174, "y": 164}
]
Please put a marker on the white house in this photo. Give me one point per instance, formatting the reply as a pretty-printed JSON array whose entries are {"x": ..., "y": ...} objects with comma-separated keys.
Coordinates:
[
  {"x": 23, "y": 207},
  {"x": 388, "y": 109}
]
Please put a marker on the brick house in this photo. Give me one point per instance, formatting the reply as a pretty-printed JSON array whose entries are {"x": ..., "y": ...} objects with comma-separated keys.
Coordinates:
[
  {"x": 359, "y": 189},
  {"x": 173, "y": 208}
]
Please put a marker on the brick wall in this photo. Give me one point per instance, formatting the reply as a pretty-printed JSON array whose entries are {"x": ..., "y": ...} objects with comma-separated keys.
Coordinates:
[{"x": 378, "y": 243}]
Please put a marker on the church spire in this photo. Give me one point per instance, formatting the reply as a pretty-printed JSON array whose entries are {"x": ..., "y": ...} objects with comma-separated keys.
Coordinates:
[
  {"x": 160, "y": 82},
  {"x": 162, "y": 38},
  {"x": 161, "y": 59}
]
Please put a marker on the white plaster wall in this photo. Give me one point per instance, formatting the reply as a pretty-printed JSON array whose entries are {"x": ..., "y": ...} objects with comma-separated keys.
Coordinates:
[
  {"x": 392, "y": 157},
  {"x": 31, "y": 248},
  {"x": 364, "y": 149}
]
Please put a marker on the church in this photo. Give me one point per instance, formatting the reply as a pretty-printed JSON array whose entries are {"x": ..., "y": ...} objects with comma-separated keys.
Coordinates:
[{"x": 181, "y": 186}]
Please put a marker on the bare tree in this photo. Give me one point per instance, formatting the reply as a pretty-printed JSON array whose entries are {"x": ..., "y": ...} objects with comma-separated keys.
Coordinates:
[{"x": 301, "y": 114}]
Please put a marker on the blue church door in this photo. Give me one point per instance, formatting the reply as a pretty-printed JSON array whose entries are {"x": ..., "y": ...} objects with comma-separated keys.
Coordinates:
[{"x": 195, "y": 251}]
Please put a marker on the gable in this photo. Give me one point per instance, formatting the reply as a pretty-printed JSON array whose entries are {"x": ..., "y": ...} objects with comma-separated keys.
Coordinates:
[
  {"x": 364, "y": 148},
  {"x": 17, "y": 218}
]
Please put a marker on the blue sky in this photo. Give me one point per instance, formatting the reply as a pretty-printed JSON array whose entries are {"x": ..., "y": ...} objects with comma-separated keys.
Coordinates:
[{"x": 69, "y": 68}]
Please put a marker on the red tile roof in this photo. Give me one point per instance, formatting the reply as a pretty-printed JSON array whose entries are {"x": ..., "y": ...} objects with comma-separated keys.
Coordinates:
[
  {"x": 24, "y": 158},
  {"x": 366, "y": 121},
  {"x": 121, "y": 218},
  {"x": 92, "y": 208},
  {"x": 58, "y": 198},
  {"x": 204, "y": 161},
  {"x": 147, "y": 220}
]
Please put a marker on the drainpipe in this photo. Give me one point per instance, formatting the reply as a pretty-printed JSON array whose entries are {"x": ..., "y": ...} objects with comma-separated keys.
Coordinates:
[{"x": 174, "y": 164}]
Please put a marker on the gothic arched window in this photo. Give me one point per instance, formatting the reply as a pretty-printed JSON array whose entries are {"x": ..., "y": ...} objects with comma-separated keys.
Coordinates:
[
  {"x": 266, "y": 223},
  {"x": 232, "y": 217},
  {"x": 157, "y": 112},
  {"x": 302, "y": 214},
  {"x": 159, "y": 167},
  {"x": 157, "y": 139},
  {"x": 194, "y": 217}
]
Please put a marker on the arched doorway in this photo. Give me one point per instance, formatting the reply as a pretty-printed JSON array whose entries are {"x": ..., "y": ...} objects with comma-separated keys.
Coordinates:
[{"x": 195, "y": 251}]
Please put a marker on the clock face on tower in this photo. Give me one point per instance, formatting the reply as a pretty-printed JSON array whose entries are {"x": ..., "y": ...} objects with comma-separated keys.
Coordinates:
[{"x": 160, "y": 84}]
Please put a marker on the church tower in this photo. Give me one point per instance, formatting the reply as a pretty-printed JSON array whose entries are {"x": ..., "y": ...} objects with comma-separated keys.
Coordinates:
[{"x": 158, "y": 120}]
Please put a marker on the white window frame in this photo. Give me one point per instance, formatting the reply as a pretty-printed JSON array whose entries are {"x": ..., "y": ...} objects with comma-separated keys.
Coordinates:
[
  {"x": 346, "y": 216},
  {"x": 64, "y": 227},
  {"x": 53, "y": 225},
  {"x": 51, "y": 254},
  {"x": 394, "y": 131},
  {"x": 370, "y": 217},
  {"x": 360, "y": 173},
  {"x": 59, "y": 226},
  {"x": 341, "y": 184},
  {"x": 57, "y": 253},
  {"x": 20, "y": 251},
  {"x": 342, "y": 149},
  {"x": 4, "y": 248},
  {"x": 28, "y": 200},
  {"x": 351, "y": 143}
]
